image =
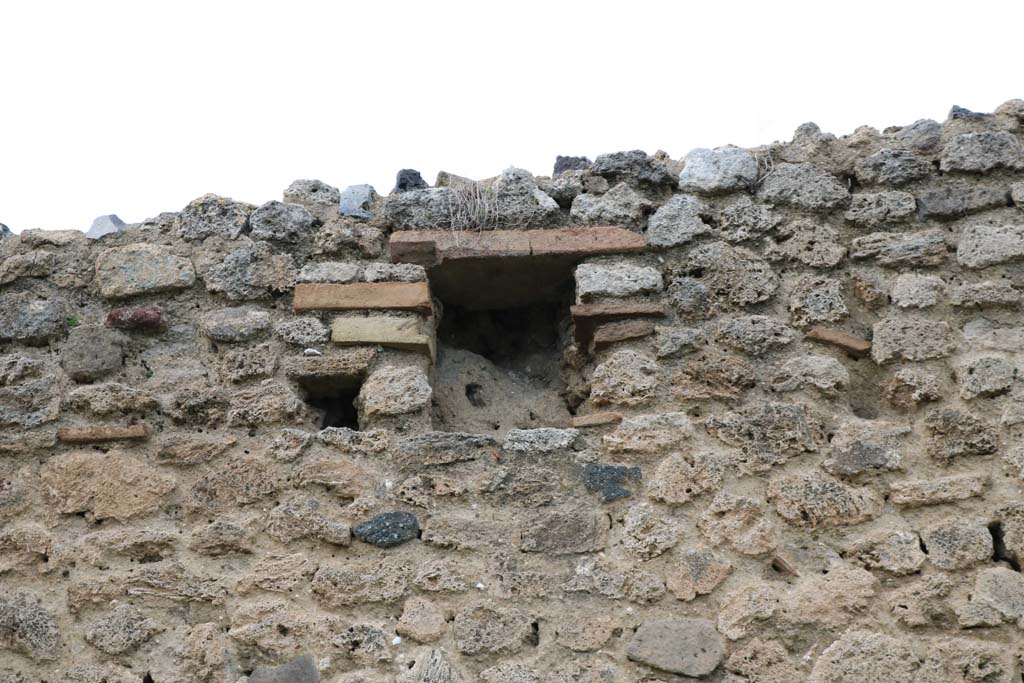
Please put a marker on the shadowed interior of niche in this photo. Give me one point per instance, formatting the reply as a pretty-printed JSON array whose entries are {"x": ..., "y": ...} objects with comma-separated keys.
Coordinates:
[
  {"x": 334, "y": 401},
  {"x": 500, "y": 368}
]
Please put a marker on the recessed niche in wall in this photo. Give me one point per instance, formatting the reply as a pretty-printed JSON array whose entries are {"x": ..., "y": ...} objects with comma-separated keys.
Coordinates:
[{"x": 334, "y": 401}]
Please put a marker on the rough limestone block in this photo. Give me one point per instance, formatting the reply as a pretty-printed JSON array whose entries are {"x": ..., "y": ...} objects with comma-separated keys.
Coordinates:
[
  {"x": 141, "y": 269},
  {"x": 402, "y": 296},
  {"x": 392, "y": 331}
]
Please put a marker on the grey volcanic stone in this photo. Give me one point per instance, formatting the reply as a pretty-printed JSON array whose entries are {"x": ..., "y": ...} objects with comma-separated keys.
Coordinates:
[
  {"x": 610, "y": 481},
  {"x": 755, "y": 334},
  {"x": 635, "y": 167},
  {"x": 252, "y": 271},
  {"x": 690, "y": 647},
  {"x": 28, "y": 628},
  {"x": 30, "y": 392},
  {"x": 92, "y": 352},
  {"x": 892, "y": 167},
  {"x": 922, "y": 135},
  {"x": 5, "y": 232},
  {"x": 804, "y": 186},
  {"x": 981, "y": 152},
  {"x": 988, "y": 245},
  {"x": 715, "y": 171},
  {"x": 121, "y": 630},
  {"x": 27, "y": 319},
  {"x": 302, "y": 669},
  {"x": 894, "y": 250},
  {"x": 620, "y": 205},
  {"x": 953, "y": 199},
  {"x": 235, "y": 324},
  {"x": 105, "y": 225},
  {"x": 307, "y": 331},
  {"x": 321, "y": 199},
  {"x": 211, "y": 215},
  {"x": 141, "y": 269},
  {"x": 281, "y": 222},
  {"x": 596, "y": 280},
  {"x": 388, "y": 529},
  {"x": 880, "y": 208},
  {"x": 677, "y": 221},
  {"x": 911, "y": 339},
  {"x": 563, "y": 164},
  {"x": 408, "y": 179},
  {"x": 356, "y": 201}
]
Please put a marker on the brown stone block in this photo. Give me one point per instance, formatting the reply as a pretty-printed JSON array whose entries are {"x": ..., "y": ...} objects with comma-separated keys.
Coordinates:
[
  {"x": 392, "y": 331},
  {"x": 844, "y": 340},
  {"x": 404, "y": 296},
  {"x": 94, "y": 433}
]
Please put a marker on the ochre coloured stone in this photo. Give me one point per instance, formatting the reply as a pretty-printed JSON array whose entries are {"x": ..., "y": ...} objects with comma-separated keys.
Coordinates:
[
  {"x": 391, "y": 331},
  {"x": 402, "y": 296},
  {"x": 97, "y": 433},
  {"x": 844, "y": 340}
]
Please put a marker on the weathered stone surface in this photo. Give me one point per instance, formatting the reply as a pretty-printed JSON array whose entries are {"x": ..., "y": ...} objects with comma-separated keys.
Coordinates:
[
  {"x": 615, "y": 280},
  {"x": 388, "y": 529},
  {"x": 676, "y": 222},
  {"x": 808, "y": 242},
  {"x": 621, "y": 205},
  {"x": 305, "y": 518},
  {"x": 892, "y": 167},
  {"x": 982, "y": 152},
  {"x": 634, "y": 167},
  {"x": 32, "y": 264},
  {"x": 957, "y": 543},
  {"x": 712, "y": 171},
  {"x": 897, "y": 552},
  {"x": 28, "y": 628},
  {"x": 121, "y": 630},
  {"x": 755, "y": 335},
  {"x": 860, "y": 446},
  {"x": 251, "y": 272},
  {"x": 96, "y": 433},
  {"x": 690, "y": 647},
  {"x": 265, "y": 403},
  {"x": 345, "y": 237},
  {"x": 330, "y": 271},
  {"x": 280, "y": 222},
  {"x": 823, "y": 373},
  {"x": 918, "y": 291},
  {"x": 681, "y": 477},
  {"x": 814, "y": 500},
  {"x": 92, "y": 352},
  {"x": 873, "y": 210},
  {"x": 767, "y": 434},
  {"x": 421, "y": 620},
  {"x": 923, "y": 249},
  {"x": 30, "y": 320},
  {"x": 355, "y": 584},
  {"x": 108, "y": 485},
  {"x": 860, "y": 656},
  {"x": 998, "y": 597},
  {"x": 953, "y": 199},
  {"x": 817, "y": 299},
  {"x": 29, "y": 391},
  {"x": 697, "y": 572},
  {"x": 981, "y": 245},
  {"x": 936, "y": 491},
  {"x": 729, "y": 275},
  {"x": 803, "y": 186},
  {"x": 998, "y": 294},
  {"x": 911, "y": 339},
  {"x": 986, "y": 377},
  {"x": 141, "y": 269},
  {"x": 955, "y": 434},
  {"x": 481, "y": 629},
  {"x": 305, "y": 331},
  {"x": 627, "y": 378},
  {"x": 321, "y": 199},
  {"x": 394, "y": 391},
  {"x": 235, "y": 324},
  {"x": 212, "y": 216},
  {"x": 650, "y": 434},
  {"x": 237, "y": 481},
  {"x": 564, "y": 532}
]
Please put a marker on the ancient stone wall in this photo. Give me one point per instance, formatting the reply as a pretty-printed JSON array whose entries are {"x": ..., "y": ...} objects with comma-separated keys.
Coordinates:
[{"x": 749, "y": 416}]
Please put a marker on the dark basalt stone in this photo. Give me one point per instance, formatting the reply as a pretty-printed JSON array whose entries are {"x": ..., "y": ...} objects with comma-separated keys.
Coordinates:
[
  {"x": 409, "y": 179},
  {"x": 563, "y": 164},
  {"x": 609, "y": 480},
  {"x": 388, "y": 529}
]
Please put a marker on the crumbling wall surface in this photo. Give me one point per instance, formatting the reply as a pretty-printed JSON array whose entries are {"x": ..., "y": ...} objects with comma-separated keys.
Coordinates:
[{"x": 773, "y": 436}]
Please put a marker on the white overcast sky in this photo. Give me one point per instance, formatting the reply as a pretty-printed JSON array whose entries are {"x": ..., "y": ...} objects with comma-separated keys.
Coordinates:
[{"x": 138, "y": 107}]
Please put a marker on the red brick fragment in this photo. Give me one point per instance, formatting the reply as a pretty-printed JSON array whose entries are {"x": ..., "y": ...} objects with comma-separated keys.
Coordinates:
[{"x": 144, "y": 319}]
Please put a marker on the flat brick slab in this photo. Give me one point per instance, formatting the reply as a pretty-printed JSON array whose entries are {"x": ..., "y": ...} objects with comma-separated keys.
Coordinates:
[
  {"x": 404, "y": 296},
  {"x": 95, "y": 433},
  {"x": 431, "y": 247},
  {"x": 587, "y": 317},
  {"x": 844, "y": 340},
  {"x": 616, "y": 331},
  {"x": 595, "y": 419},
  {"x": 391, "y": 331}
]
